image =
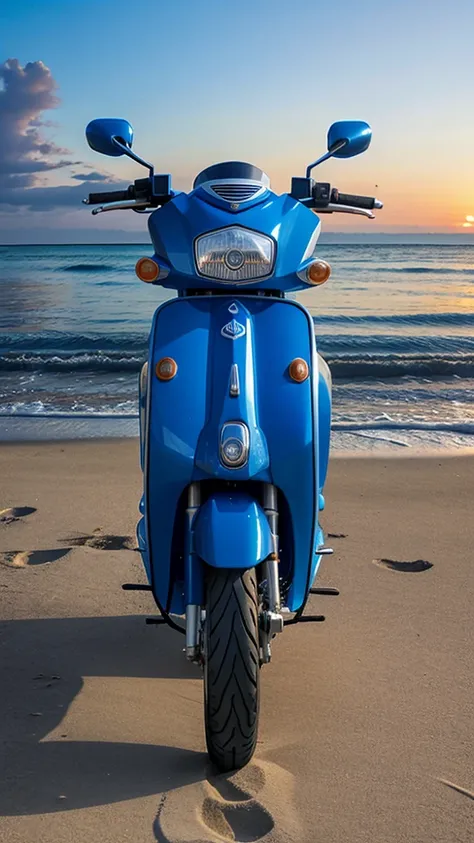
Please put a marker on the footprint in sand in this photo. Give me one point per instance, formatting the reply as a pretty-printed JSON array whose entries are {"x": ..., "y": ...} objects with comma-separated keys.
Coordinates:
[
  {"x": 101, "y": 542},
  {"x": 15, "y": 513},
  {"x": 409, "y": 567},
  {"x": 23, "y": 558},
  {"x": 249, "y": 805}
]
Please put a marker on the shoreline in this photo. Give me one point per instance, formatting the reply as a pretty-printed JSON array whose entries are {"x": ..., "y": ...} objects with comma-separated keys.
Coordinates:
[
  {"x": 341, "y": 454},
  {"x": 368, "y": 441}
]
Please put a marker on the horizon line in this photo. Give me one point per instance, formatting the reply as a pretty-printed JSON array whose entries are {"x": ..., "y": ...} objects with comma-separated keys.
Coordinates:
[{"x": 411, "y": 234}]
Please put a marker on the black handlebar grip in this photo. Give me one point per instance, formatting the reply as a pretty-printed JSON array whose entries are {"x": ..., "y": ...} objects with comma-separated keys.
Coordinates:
[
  {"x": 110, "y": 196},
  {"x": 353, "y": 200}
]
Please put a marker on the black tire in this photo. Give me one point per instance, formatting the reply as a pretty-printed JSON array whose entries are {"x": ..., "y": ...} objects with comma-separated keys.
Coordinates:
[{"x": 231, "y": 667}]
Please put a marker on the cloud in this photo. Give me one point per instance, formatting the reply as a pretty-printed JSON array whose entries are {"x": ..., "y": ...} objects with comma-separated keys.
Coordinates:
[
  {"x": 25, "y": 154},
  {"x": 48, "y": 198},
  {"x": 25, "y": 93},
  {"x": 95, "y": 176}
]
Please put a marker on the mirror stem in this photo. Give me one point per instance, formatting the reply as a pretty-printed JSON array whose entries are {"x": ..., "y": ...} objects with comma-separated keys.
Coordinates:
[
  {"x": 127, "y": 151},
  {"x": 335, "y": 148}
]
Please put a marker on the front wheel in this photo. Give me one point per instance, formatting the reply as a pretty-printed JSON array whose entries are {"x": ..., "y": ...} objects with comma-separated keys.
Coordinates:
[{"x": 231, "y": 667}]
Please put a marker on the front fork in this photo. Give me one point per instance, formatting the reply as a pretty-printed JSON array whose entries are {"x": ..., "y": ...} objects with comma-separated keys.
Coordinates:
[
  {"x": 271, "y": 620},
  {"x": 193, "y": 579}
]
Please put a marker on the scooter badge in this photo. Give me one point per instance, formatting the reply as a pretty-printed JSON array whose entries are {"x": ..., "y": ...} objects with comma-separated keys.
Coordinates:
[{"x": 233, "y": 330}]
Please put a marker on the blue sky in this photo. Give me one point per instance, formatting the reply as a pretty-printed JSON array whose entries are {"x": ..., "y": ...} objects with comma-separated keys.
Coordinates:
[{"x": 259, "y": 81}]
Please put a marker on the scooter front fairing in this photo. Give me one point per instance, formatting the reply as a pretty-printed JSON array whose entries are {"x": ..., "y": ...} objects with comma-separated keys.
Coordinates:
[{"x": 232, "y": 358}]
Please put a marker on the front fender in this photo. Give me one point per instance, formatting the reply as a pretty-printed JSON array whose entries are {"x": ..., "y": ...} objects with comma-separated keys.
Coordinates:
[{"x": 231, "y": 530}]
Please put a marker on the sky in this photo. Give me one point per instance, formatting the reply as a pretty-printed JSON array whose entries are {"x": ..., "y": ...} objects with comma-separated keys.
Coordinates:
[{"x": 257, "y": 80}]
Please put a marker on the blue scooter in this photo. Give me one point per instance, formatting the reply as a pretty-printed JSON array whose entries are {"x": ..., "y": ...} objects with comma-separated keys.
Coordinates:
[{"x": 235, "y": 414}]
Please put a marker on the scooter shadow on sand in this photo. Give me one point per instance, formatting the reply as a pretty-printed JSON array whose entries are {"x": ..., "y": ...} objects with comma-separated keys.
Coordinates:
[{"x": 46, "y": 661}]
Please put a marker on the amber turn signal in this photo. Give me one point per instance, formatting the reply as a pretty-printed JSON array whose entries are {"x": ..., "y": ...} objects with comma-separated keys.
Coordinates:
[
  {"x": 147, "y": 270},
  {"x": 318, "y": 272}
]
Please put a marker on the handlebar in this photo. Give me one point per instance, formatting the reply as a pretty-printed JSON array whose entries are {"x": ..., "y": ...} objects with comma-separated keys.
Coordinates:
[
  {"x": 111, "y": 196},
  {"x": 319, "y": 196},
  {"x": 143, "y": 194},
  {"x": 154, "y": 191},
  {"x": 352, "y": 200}
]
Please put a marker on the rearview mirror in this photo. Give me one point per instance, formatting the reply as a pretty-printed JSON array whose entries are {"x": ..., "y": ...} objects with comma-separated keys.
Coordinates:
[
  {"x": 348, "y": 138},
  {"x": 113, "y": 136},
  {"x": 109, "y": 135}
]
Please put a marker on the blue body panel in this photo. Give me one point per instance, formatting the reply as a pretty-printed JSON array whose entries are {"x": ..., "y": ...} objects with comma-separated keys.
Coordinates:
[
  {"x": 232, "y": 531},
  {"x": 221, "y": 407},
  {"x": 184, "y": 416},
  {"x": 175, "y": 226}
]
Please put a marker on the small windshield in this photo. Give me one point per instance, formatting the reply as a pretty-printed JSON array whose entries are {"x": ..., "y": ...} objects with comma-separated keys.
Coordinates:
[{"x": 231, "y": 170}]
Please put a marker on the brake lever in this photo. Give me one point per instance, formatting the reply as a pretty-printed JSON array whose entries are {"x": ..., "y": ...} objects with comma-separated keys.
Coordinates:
[
  {"x": 335, "y": 208},
  {"x": 133, "y": 204}
]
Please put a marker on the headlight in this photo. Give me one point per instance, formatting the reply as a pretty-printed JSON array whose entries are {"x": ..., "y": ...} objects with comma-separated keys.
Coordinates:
[{"x": 234, "y": 255}]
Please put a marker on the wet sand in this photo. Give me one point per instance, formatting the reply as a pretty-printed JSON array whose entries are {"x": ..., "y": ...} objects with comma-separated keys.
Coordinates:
[{"x": 366, "y": 721}]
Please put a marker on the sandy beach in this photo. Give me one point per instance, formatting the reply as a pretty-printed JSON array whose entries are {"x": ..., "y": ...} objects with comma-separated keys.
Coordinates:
[{"x": 366, "y": 722}]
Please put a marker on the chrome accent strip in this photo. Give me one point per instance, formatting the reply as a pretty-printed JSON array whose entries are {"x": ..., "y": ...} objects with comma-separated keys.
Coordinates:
[
  {"x": 234, "y": 386},
  {"x": 270, "y": 506},
  {"x": 193, "y": 617},
  {"x": 271, "y": 622},
  {"x": 193, "y": 611}
]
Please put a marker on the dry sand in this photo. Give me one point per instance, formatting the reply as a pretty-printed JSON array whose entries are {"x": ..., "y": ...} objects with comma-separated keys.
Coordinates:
[{"x": 367, "y": 720}]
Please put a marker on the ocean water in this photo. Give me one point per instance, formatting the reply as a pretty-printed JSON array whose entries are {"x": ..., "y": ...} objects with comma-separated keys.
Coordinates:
[{"x": 395, "y": 323}]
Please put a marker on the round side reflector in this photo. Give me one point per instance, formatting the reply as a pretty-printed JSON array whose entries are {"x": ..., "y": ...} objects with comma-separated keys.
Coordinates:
[
  {"x": 318, "y": 272},
  {"x": 147, "y": 270},
  {"x": 166, "y": 369},
  {"x": 298, "y": 370}
]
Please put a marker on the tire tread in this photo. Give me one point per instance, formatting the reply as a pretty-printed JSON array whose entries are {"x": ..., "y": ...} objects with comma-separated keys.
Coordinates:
[{"x": 233, "y": 667}]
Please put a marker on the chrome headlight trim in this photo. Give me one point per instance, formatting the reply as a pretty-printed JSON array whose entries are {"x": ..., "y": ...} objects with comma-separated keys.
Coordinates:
[
  {"x": 234, "y": 445},
  {"x": 216, "y": 251}
]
